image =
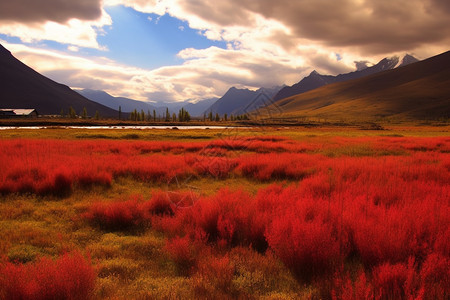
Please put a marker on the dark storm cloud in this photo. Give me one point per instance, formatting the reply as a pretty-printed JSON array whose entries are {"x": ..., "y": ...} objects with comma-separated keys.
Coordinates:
[
  {"x": 374, "y": 26},
  {"x": 31, "y": 11}
]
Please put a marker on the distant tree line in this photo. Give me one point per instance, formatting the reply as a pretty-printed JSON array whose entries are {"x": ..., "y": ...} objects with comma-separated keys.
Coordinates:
[
  {"x": 72, "y": 114},
  {"x": 216, "y": 117},
  {"x": 183, "y": 116},
  {"x": 142, "y": 116}
]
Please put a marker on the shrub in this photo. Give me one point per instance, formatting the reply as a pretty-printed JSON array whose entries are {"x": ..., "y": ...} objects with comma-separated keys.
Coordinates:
[
  {"x": 214, "y": 273},
  {"x": 119, "y": 215},
  {"x": 395, "y": 281},
  {"x": 435, "y": 276},
  {"x": 305, "y": 241},
  {"x": 346, "y": 289},
  {"x": 182, "y": 253},
  {"x": 160, "y": 204},
  {"x": 71, "y": 276}
]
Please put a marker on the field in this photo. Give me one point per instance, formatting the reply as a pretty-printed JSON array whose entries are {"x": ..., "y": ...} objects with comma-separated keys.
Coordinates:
[{"x": 267, "y": 213}]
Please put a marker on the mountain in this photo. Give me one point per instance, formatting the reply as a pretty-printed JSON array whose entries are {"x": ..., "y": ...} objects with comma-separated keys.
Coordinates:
[
  {"x": 239, "y": 101},
  {"x": 316, "y": 80},
  {"x": 126, "y": 104},
  {"x": 420, "y": 90},
  {"x": 197, "y": 109},
  {"x": 23, "y": 87}
]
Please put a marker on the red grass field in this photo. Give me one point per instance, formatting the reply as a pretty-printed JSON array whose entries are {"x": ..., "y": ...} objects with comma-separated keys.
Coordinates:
[{"x": 348, "y": 217}]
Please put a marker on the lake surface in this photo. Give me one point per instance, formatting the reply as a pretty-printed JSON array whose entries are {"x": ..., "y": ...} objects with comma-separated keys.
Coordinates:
[{"x": 120, "y": 127}]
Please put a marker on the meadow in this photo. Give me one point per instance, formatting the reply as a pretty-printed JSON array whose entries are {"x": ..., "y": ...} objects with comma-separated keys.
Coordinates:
[{"x": 261, "y": 213}]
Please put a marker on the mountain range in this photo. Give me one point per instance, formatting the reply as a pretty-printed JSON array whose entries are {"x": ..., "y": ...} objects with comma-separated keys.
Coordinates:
[
  {"x": 128, "y": 105},
  {"x": 399, "y": 88},
  {"x": 316, "y": 80},
  {"x": 419, "y": 90},
  {"x": 240, "y": 101},
  {"x": 22, "y": 87},
  {"x": 125, "y": 104}
]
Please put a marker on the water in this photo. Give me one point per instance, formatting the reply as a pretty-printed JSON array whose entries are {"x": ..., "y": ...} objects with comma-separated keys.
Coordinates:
[{"x": 119, "y": 127}]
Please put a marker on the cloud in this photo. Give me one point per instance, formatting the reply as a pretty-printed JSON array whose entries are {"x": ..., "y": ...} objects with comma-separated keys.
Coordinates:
[
  {"x": 205, "y": 73},
  {"x": 73, "y": 48},
  {"x": 361, "y": 65},
  {"x": 308, "y": 33},
  {"x": 370, "y": 26},
  {"x": 59, "y": 11},
  {"x": 74, "y": 32},
  {"x": 268, "y": 42},
  {"x": 359, "y": 27},
  {"x": 76, "y": 23}
]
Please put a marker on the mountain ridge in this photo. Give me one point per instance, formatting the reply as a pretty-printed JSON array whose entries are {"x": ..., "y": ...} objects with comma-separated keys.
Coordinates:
[
  {"x": 240, "y": 101},
  {"x": 315, "y": 80},
  {"x": 23, "y": 87},
  {"x": 129, "y": 105},
  {"x": 419, "y": 90}
]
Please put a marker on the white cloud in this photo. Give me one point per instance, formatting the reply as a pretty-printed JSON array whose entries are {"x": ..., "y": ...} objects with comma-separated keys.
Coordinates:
[
  {"x": 73, "y": 32},
  {"x": 73, "y": 48}
]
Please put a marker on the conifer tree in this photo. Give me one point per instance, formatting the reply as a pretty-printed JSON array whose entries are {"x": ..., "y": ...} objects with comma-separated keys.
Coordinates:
[
  {"x": 167, "y": 115},
  {"x": 72, "y": 113}
]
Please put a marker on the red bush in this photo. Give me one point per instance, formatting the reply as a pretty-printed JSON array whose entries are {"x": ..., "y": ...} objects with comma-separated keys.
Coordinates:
[
  {"x": 346, "y": 289},
  {"x": 394, "y": 281},
  {"x": 119, "y": 215},
  {"x": 71, "y": 276},
  {"x": 218, "y": 272},
  {"x": 230, "y": 217},
  {"x": 276, "y": 166},
  {"x": 308, "y": 245},
  {"x": 435, "y": 277},
  {"x": 183, "y": 253},
  {"x": 160, "y": 204}
]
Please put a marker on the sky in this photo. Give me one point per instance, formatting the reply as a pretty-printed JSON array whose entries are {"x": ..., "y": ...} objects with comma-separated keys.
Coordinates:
[{"x": 175, "y": 50}]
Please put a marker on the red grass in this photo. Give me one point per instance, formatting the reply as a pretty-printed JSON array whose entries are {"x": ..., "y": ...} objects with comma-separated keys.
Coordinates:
[
  {"x": 119, "y": 215},
  {"x": 160, "y": 204},
  {"x": 345, "y": 289},
  {"x": 277, "y": 166},
  {"x": 183, "y": 253},
  {"x": 435, "y": 276},
  {"x": 394, "y": 281},
  {"x": 217, "y": 272},
  {"x": 381, "y": 203},
  {"x": 71, "y": 276}
]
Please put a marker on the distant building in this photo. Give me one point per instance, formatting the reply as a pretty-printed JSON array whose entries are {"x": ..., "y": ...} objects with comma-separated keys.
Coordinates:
[{"x": 18, "y": 113}]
